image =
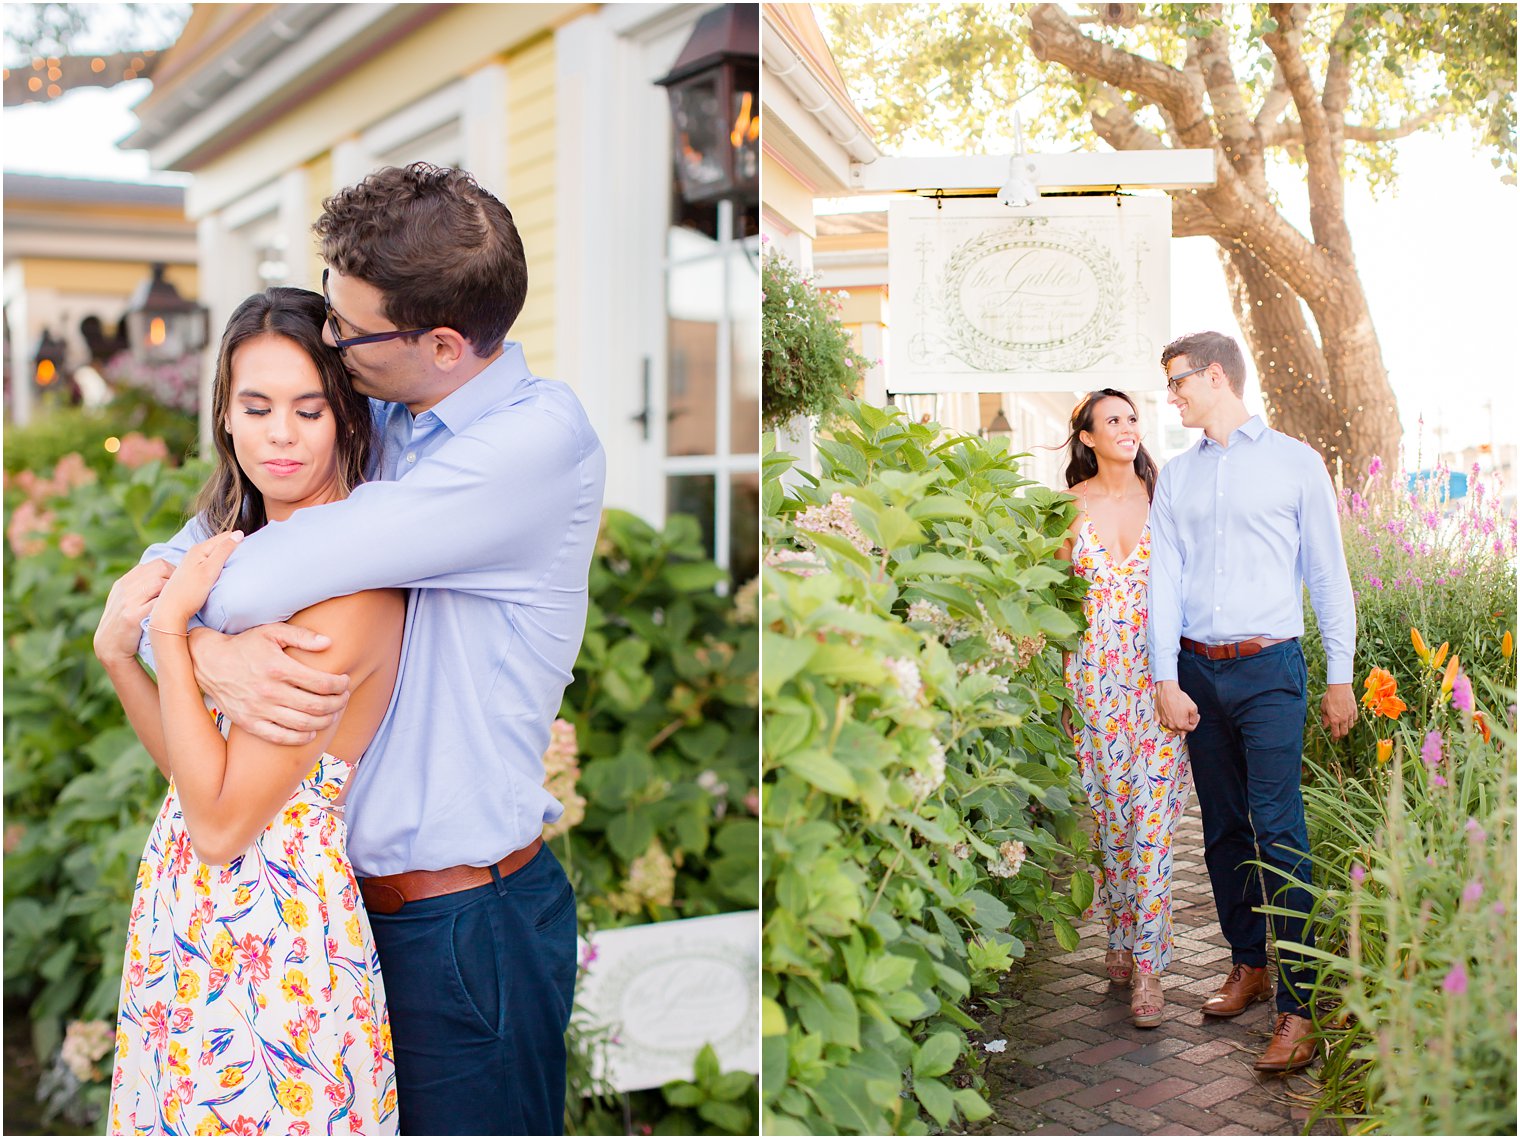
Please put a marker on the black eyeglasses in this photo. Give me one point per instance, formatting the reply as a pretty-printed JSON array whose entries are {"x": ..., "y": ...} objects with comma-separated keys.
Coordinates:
[
  {"x": 1175, "y": 382},
  {"x": 344, "y": 343}
]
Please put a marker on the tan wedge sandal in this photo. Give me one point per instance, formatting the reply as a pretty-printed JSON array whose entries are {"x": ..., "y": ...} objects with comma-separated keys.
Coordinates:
[
  {"x": 1146, "y": 1004},
  {"x": 1119, "y": 964}
]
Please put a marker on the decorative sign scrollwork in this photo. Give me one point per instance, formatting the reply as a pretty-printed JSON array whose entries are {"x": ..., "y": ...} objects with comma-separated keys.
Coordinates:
[{"x": 1070, "y": 293}]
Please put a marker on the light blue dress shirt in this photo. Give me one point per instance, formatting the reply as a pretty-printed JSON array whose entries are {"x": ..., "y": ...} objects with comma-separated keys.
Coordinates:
[
  {"x": 487, "y": 510},
  {"x": 1236, "y": 533}
]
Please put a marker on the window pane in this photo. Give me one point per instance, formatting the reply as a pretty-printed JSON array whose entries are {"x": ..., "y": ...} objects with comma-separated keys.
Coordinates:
[
  {"x": 744, "y": 527},
  {"x": 693, "y": 494},
  {"x": 744, "y": 312},
  {"x": 693, "y": 300}
]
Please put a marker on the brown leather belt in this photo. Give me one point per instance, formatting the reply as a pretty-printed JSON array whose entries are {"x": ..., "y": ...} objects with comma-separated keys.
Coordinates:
[
  {"x": 388, "y": 893},
  {"x": 1247, "y": 648}
]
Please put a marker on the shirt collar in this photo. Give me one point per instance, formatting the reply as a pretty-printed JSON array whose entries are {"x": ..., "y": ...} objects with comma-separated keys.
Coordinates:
[
  {"x": 498, "y": 380},
  {"x": 1252, "y": 429}
]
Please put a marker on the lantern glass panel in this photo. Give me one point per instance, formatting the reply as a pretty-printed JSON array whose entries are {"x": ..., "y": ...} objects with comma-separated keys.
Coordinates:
[
  {"x": 698, "y": 142},
  {"x": 744, "y": 133}
]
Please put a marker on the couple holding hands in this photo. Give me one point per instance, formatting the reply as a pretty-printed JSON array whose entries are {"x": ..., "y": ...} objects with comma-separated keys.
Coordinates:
[{"x": 1191, "y": 671}]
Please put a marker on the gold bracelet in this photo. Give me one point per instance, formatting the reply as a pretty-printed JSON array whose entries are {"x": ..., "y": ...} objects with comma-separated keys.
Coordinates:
[{"x": 170, "y": 632}]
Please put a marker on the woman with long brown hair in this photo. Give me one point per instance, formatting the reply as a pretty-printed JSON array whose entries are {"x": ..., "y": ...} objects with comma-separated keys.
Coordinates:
[
  {"x": 251, "y": 998},
  {"x": 1134, "y": 771}
]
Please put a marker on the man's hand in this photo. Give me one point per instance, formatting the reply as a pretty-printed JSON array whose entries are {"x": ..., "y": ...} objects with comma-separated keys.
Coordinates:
[
  {"x": 130, "y": 600},
  {"x": 263, "y": 690},
  {"x": 1174, "y": 707},
  {"x": 1338, "y": 709}
]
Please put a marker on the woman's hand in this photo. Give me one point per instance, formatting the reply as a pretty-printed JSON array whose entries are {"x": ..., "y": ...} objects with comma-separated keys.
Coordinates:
[
  {"x": 130, "y": 600},
  {"x": 1066, "y": 723},
  {"x": 187, "y": 589}
]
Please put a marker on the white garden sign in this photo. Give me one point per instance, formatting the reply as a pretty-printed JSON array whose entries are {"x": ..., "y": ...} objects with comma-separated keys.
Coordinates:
[{"x": 1068, "y": 293}]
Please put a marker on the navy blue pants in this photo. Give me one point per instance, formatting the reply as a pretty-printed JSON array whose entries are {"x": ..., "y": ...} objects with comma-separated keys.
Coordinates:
[
  {"x": 479, "y": 986},
  {"x": 1247, "y": 759}
]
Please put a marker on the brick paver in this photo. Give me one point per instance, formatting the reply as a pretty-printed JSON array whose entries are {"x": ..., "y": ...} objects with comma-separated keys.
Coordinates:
[{"x": 1075, "y": 1064}]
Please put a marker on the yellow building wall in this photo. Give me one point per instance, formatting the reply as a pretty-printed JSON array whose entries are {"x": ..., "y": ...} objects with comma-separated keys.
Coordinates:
[
  {"x": 531, "y": 179},
  {"x": 458, "y": 42},
  {"x": 319, "y": 186},
  {"x": 121, "y": 277}
]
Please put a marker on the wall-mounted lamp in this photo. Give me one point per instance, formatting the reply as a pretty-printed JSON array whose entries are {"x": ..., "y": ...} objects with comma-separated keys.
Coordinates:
[
  {"x": 715, "y": 104},
  {"x": 161, "y": 324}
]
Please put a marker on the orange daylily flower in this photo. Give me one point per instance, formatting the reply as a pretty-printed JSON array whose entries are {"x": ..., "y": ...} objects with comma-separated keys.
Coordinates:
[
  {"x": 1384, "y": 750},
  {"x": 1507, "y": 645},
  {"x": 1453, "y": 666},
  {"x": 1481, "y": 723},
  {"x": 1420, "y": 648},
  {"x": 1435, "y": 661},
  {"x": 1382, "y": 694}
]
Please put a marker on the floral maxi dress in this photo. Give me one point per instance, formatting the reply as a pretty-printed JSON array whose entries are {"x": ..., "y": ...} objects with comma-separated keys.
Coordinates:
[
  {"x": 1134, "y": 771},
  {"x": 251, "y": 1000}
]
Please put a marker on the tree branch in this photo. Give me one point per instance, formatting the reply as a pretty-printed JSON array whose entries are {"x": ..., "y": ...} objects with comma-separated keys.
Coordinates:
[
  {"x": 1231, "y": 119},
  {"x": 1055, "y": 38},
  {"x": 1275, "y": 103},
  {"x": 1327, "y": 214},
  {"x": 1290, "y": 131}
]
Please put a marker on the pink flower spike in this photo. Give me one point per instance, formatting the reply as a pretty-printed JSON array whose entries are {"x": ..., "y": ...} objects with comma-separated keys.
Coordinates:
[
  {"x": 1461, "y": 693},
  {"x": 1472, "y": 892},
  {"x": 1358, "y": 875},
  {"x": 1456, "y": 980},
  {"x": 1375, "y": 467},
  {"x": 1430, "y": 750},
  {"x": 1437, "y": 781},
  {"x": 1500, "y": 909}
]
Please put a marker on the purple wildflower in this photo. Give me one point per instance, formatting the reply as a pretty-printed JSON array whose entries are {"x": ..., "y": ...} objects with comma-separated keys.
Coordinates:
[
  {"x": 1475, "y": 832},
  {"x": 1461, "y": 693},
  {"x": 1374, "y": 581},
  {"x": 1456, "y": 980},
  {"x": 1357, "y": 873},
  {"x": 1500, "y": 908},
  {"x": 1437, "y": 781},
  {"x": 1430, "y": 750},
  {"x": 1375, "y": 467},
  {"x": 1472, "y": 891}
]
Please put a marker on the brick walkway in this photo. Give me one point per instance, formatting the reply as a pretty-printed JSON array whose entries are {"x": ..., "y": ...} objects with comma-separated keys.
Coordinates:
[{"x": 1075, "y": 1064}]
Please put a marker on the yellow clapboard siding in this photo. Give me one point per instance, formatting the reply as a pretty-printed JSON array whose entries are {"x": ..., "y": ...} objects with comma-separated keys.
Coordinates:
[
  {"x": 319, "y": 187},
  {"x": 531, "y": 158},
  {"x": 68, "y": 276}
]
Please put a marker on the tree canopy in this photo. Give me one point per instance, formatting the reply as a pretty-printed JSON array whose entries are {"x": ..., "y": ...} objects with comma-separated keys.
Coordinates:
[{"x": 1277, "y": 91}]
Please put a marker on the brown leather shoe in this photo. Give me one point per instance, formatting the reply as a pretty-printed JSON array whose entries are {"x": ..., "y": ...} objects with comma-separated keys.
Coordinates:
[
  {"x": 1241, "y": 988},
  {"x": 1292, "y": 1045}
]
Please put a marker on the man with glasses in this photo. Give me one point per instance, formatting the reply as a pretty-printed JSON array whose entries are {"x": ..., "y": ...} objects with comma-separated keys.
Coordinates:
[
  {"x": 1240, "y": 523},
  {"x": 485, "y": 503}
]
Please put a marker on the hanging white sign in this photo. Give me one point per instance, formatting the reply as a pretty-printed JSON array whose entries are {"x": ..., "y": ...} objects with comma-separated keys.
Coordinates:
[
  {"x": 664, "y": 990},
  {"x": 1068, "y": 293}
]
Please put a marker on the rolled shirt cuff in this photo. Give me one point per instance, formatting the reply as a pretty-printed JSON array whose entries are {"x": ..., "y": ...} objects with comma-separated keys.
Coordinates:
[{"x": 1339, "y": 672}]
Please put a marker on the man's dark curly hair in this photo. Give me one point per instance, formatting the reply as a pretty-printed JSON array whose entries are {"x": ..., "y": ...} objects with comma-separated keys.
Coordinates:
[{"x": 442, "y": 251}]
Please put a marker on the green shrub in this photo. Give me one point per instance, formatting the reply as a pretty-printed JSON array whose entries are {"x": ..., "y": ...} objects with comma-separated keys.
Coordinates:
[
  {"x": 40, "y": 444},
  {"x": 664, "y": 702},
  {"x": 918, "y": 788},
  {"x": 807, "y": 363}
]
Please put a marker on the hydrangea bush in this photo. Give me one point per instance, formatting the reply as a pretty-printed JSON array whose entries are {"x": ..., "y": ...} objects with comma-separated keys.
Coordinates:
[{"x": 918, "y": 788}]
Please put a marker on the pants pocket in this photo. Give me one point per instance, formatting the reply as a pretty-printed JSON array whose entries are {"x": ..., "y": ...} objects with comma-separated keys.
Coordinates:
[{"x": 477, "y": 964}]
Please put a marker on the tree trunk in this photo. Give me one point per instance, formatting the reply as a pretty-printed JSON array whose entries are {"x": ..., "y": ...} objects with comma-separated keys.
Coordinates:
[
  {"x": 1294, "y": 381},
  {"x": 1369, "y": 410}
]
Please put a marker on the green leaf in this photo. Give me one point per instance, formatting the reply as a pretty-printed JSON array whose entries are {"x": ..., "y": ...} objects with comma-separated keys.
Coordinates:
[
  {"x": 1066, "y": 936},
  {"x": 938, "y": 1054},
  {"x": 1082, "y": 890},
  {"x": 936, "y": 1099}
]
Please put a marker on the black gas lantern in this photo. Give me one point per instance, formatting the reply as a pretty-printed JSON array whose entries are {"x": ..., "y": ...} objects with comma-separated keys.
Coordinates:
[
  {"x": 162, "y": 325},
  {"x": 715, "y": 103}
]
